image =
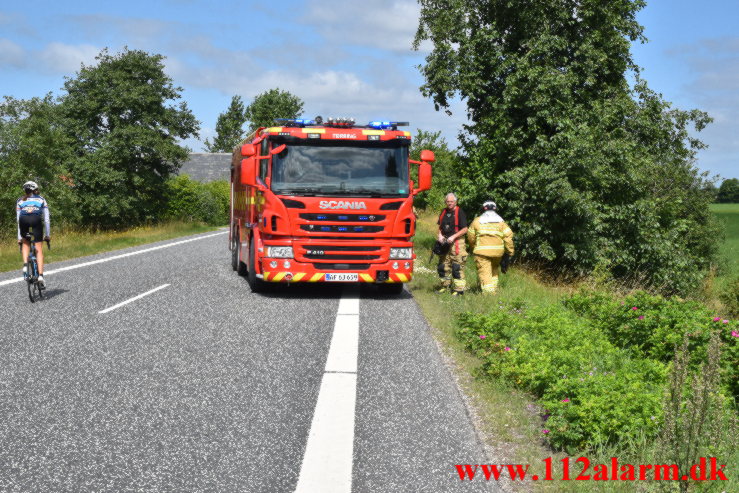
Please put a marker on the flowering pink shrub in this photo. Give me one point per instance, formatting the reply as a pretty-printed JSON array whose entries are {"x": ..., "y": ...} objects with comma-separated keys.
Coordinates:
[{"x": 598, "y": 368}]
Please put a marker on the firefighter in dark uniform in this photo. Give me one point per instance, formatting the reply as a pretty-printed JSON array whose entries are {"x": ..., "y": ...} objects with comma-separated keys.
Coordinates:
[{"x": 452, "y": 228}]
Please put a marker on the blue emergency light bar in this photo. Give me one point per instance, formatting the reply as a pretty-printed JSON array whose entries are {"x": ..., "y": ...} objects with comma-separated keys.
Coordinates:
[
  {"x": 337, "y": 122},
  {"x": 386, "y": 124}
]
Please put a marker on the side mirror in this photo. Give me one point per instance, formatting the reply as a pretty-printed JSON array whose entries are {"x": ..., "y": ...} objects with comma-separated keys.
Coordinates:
[
  {"x": 428, "y": 156},
  {"x": 248, "y": 171},
  {"x": 248, "y": 150},
  {"x": 424, "y": 177},
  {"x": 278, "y": 149}
]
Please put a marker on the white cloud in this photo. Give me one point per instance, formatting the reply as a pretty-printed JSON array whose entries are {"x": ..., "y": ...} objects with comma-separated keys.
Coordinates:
[
  {"x": 134, "y": 30},
  {"x": 54, "y": 58},
  {"x": 11, "y": 54},
  {"x": 67, "y": 59},
  {"x": 383, "y": 24},
  {"x": 325, "y": 71}
]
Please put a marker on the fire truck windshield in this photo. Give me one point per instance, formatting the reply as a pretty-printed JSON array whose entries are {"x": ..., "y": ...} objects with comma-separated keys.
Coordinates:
[{"x": 341, "y": 168}]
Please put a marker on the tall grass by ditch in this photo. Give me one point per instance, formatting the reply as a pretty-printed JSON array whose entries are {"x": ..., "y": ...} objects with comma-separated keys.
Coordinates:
[
  {"x": 511, "y": 419},
  {"x": 73, "y": 243}
]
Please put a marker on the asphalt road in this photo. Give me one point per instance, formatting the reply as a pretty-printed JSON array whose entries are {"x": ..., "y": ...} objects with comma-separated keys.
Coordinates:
[{"x": 203, "y": 386}]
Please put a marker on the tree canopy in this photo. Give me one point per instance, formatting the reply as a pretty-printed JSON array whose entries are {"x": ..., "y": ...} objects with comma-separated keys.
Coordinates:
[
  {"x": 444, "y": 168},
  {"x": 229, "y": 127},
  {"x": 270, "y": 105},
  {"x": 591, "y": 171},
  {"x": 125, "y": 128},
  {"x": 34, "y": 146},
  {"x": 728, "y": 192}
]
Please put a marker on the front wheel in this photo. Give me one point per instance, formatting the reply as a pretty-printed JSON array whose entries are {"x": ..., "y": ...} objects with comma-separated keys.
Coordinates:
[
  {"x": 257, "y": 285},
  {"x": 30, "y": 291}
]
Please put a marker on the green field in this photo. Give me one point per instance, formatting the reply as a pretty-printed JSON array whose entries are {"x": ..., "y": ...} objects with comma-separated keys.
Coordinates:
[{"x": 728, "y": 214}]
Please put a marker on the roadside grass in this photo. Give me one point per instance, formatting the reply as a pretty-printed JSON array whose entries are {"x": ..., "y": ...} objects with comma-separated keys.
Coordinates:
[
  {"x": 75, "y": 243},
  {"x": 509, "y": 419}
]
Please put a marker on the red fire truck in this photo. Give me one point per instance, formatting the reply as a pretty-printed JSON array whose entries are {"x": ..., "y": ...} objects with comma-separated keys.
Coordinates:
[{"x": 315, "y": 201}]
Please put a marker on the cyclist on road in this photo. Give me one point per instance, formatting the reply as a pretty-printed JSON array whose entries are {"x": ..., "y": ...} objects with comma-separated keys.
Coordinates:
[{"x": 31, "y": 212}]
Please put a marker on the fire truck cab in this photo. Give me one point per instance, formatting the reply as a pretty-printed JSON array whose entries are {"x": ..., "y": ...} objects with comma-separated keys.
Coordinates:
[{"x": 325, "y": 202}]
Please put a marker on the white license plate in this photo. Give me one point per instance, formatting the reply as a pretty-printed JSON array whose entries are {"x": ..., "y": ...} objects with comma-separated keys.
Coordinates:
[{"x": 342, "y": 277}]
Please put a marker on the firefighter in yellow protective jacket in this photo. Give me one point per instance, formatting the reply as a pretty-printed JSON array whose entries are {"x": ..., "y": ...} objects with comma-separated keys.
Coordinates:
[{"x": 489, "y": 238}]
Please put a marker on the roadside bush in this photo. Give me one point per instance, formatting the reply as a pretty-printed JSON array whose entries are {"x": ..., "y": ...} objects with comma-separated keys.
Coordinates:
[
  {"x": 221, "y": 191},
  {"x": 651, "y": 326},
  {"x": 190, "y": 200},
  {"x": 599, "y": 407},
  {"x": 592, "y": 390}
]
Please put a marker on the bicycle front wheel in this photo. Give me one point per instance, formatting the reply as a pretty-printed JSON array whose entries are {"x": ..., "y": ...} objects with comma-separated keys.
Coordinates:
[{"x": 30, "y": 291}]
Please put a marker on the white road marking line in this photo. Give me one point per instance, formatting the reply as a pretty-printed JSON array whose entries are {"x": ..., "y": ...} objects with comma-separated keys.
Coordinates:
[
  {"x": 116, "y": 257},
  {"x": 343, "y": 352},
  {"x": 134, "y": 299},
  {"x": 329, "y": 453},
  {"x": 349, "y": 305}
]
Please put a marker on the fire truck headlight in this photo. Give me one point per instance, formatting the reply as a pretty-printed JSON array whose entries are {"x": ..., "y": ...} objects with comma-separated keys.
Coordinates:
[
  {"x": 280, "y": 252},
  {"x": 406, "y": 252}
]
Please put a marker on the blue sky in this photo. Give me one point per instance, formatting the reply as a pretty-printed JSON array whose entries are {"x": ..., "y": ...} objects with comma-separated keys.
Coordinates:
[{"x": 343, "y": 58}]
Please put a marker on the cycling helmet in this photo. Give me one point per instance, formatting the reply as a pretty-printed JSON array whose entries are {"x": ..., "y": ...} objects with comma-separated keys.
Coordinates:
[
  {"x": 30, "y": 186},
  {"x": 489, "y": 205}
]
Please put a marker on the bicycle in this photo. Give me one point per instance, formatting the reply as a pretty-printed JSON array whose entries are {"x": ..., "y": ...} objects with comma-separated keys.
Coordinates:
[{"x": 31, "y": 276}]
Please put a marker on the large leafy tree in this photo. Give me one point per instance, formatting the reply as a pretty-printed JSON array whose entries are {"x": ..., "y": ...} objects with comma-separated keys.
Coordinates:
[
  {"x": 590, "y": 170},
  {"x": 444, "y": 168},
  {"x": 270, "y": 105},
  {"x": 126, "y": 127},
  {"x": 728, "y": 192},
  {"x": 33, "y": 146},
  {"x": 229, "y": 127}
]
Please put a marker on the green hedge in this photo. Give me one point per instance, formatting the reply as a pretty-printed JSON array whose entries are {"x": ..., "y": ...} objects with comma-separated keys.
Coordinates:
[{"x": 191, "y": 200}]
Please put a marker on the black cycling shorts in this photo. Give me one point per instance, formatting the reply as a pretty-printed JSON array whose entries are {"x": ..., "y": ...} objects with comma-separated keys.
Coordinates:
[{"x": 34, "y": 224}]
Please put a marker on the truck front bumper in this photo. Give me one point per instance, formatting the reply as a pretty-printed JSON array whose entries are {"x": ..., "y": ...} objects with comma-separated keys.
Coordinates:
[{"x": 288, "y": 270}]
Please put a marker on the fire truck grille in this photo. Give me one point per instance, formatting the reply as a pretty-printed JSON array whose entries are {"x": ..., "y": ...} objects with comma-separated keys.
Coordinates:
[
  {"x": 326, "y": 255},
  {"x": 341, "y": 257},
  {"x": 333, "y": 228},
  {"x": 342, "y": 248},
  {"x": 356, "y": 218},
  {"x": 356, "y": 267}
]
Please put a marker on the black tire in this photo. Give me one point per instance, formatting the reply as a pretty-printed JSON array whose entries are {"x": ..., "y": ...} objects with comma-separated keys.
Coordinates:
[
  {"x": 30, "y": 292},
  {"x": 235, "y": 252},
  {"x": 257, "y": 285},
  {"x": 236, "y": 262},
  {"x": 391, "y": 288}
]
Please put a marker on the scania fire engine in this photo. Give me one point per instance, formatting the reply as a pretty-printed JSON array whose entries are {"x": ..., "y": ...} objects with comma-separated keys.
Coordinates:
[{"x": 315, "y": 201}]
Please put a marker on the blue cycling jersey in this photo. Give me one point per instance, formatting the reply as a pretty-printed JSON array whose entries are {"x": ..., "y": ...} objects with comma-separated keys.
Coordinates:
[{"x": 33, "y": 205}]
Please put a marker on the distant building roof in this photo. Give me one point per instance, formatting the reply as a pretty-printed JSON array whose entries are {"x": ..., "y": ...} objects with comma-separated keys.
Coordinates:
[{"x": 207, "y": 166}]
